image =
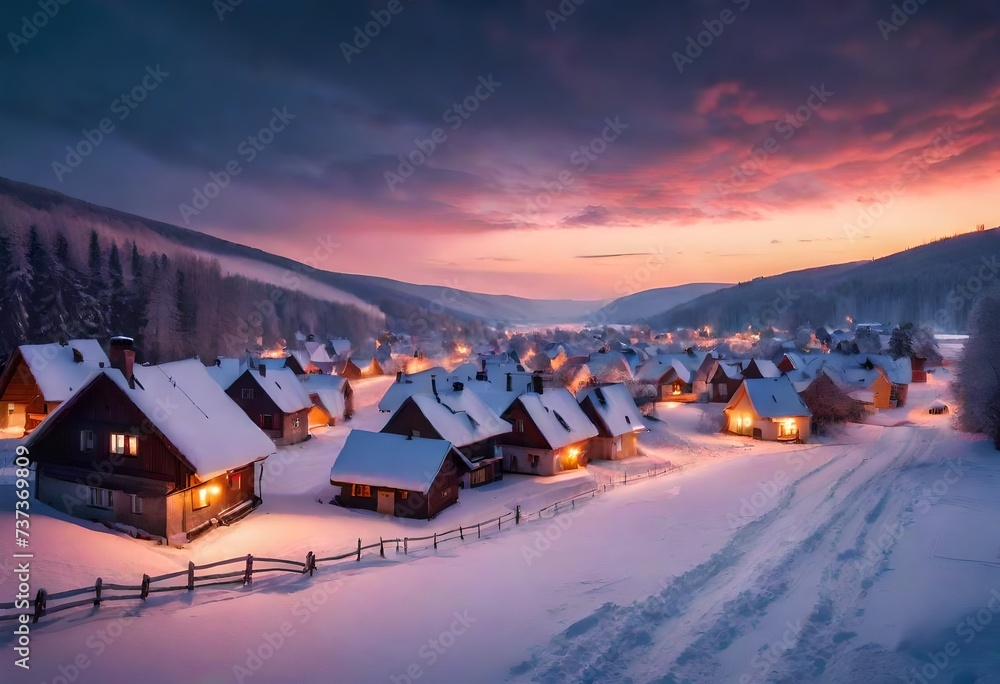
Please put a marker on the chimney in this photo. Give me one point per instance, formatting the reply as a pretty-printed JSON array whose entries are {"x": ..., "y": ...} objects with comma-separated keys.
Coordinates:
[
  {"x": 121, "y": 354},
  {"x": 399, "y": 376},
  {"x": 508, "y": 382},
  {"x": 536, "y": 384},
  {"x": 457, "y": 386},
  {"x": 262, "y": 367},
  {"x": 434, "y": 386}
]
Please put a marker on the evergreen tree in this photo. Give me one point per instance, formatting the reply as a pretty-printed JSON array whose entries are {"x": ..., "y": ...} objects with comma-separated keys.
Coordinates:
[
  {"x": 13, "y": 295},
  {"x": 46, "y": 314},
  {"x": 95, "y": 321},
  {"x": 977, "y": 377},
  {"x": 117, "y": 295},
  {"x": 901, "y": 342}
]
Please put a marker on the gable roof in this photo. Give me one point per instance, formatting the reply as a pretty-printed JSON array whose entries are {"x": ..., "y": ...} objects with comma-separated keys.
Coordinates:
[
  {"x": 56, "y": 369},
  {"x": 329, "y": 392},
  {"x": 383, "y": 459},
  {"x": 283, "y": 387},
  {"x": 190, "y": 410},
  {"x": 461, "y": 418},
  {"x": 765, "y": 367},
  {"x": 558, "y": 416},
  {"x": 407, "y": 385},
  {"x": 771, "y": 398},
  {"x": 614, "y": 407}
]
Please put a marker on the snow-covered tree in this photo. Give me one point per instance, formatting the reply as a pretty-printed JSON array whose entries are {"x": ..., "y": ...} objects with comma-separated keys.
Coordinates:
[
  {"x": 14, "y": 293},
  {"x": 867, "y": 341},
  {"x": 901, "y": 341},
  {"x": 977, "y": 377}
]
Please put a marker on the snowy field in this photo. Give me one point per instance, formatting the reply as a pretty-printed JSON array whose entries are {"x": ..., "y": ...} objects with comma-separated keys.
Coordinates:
[{"x": 869, "y": 556}]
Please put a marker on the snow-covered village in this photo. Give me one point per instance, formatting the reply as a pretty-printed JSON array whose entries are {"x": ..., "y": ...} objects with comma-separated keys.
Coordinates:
[{"x": 489, "y": 342}]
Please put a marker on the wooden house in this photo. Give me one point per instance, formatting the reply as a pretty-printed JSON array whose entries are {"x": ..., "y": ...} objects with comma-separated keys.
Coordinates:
[
  {"x": 332, "y": 399},
  {"x": 346, "y": 368},
  {"x": 550, "y": 433},
  {"x": 159, "y": 448},
  {"x": 458, "y": 416},
  {"x": 768, "y": 409},
  {"x": 408, "y": 477},
  {"x": 612, "y": 409},
  {"x": 703, "y": 375},
  {"x": 725, "y": 380},
  {"x": 276, "y": 401},
  {"x": 760, "y": 368},
  {"x": 39, "y": 377}
]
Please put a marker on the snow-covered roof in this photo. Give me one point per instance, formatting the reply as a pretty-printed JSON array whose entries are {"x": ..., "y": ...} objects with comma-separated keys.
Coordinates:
[
  {"x": 494, "y": 395},
  {"x": 387, "y": 460},
  {"x": 615, "y": 407},
  {"x": 317, "y": 352},
  {"x": 283, "y": 387},
  {"x": 766, "y": 368},
  {"x": 55, "y": 368},
  {"x": 192, "y": 412},
  {"x": 461, "y": 417},
  {"x": 409, "y": 384},
  {"x": 732, "y": 370},
  {"x": 341, "y": 346},
  {"x": 558, "y": 416},
  {"x": 773, "y": 398},
  {"x": 329, "y": 390},
  {"x": 226, "y": 371},
  {"x": 652, "y": 371}
]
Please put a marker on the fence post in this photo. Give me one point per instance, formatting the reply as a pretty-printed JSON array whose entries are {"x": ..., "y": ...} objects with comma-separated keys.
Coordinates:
[
  {"x": 517, "y": 515},
  {"x": 381, "y": 547},
  {"x": 248, "y": 571},
  {"x": 397, "y": 544},
  {"x": 310, "y": 563},
  {"x": 40, "y": 599},
  {"x": 359, "y": 549},
  {"x": 574, "y": 503},
  {"x": 479, "y": 532},
  {"x": 461, "y": 535},
  {"x": 144, "y": 588},
  {"x": 435, "y": 540},
  {"x": 190, "y": 576},
  {"x": 406, "y": 543},
  {"x": 97, "y": 591}
]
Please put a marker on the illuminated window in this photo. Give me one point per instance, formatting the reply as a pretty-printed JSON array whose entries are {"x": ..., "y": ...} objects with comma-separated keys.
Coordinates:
[
  {"x": 86, "y": 440},
  {"x": 236, "y": 481},
  {"x": 364, "y": 491},
  {"x": 126, "y": 445},
  {"x": 295, "y": 422},
  {"x": 101, "y": 498},
  {"x": 200, "y": 499},
  {"x": 787, "y": 428},
  {"x": 404, "y": 495}
]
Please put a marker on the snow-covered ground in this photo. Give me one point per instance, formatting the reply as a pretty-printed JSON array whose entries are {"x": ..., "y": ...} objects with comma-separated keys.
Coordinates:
[{"x": 858, "y": 558}]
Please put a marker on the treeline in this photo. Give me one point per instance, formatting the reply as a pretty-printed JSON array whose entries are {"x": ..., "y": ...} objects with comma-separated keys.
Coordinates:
[{"x": 174, "y": 307}]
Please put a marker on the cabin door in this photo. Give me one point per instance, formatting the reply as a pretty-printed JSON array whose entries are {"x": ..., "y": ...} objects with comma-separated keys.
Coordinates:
[{"x": 387, "y": 502}]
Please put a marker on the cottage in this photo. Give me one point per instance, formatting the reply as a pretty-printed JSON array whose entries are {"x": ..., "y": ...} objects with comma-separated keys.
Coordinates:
[
  {"x": 348, "y": 369},
  {"x": 409, "y": 477},
  {"x": 276, "y": 401},
  {"x": 39, "y": 377},
  {"x": 725, "y": 380},
  {"x": 703, "y": 375},
  {"x": 768, "y": 409},
  {"x": 612, "y": 409},
  {"x": 550, "y": 433},
  {"x": 160, "y": 448},
  {"x": 760, "y": 368},
  {"x": 332, "y": 399},
  {"x": 672, "y": 381},
  {"x": 458, "y": 416},
  {"x": 877, "y": 380},
  {"x": 408, "y": 384}
]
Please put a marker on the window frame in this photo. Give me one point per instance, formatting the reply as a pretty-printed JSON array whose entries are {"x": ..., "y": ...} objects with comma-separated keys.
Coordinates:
[
  {"x": 88, "y": 441},
  {"x": 246, "y": 393},
  {"x": 129, "y": 444},
  {"x": 200, "y": 498},
  {"x": 361, "y": 491},
  {"x": 133, "y": 500},
  {"x": 96, "y": 497}
]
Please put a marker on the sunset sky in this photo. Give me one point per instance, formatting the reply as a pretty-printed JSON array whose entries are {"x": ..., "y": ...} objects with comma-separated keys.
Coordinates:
[{"x": 892, "y": 141}]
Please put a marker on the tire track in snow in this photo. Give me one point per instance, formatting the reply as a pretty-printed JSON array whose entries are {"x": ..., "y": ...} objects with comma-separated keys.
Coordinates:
[{"x": 593, "y": 648}]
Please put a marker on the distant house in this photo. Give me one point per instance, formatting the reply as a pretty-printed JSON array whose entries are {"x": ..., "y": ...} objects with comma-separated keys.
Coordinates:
[
  {"x": 275, "y": 401},
  {"x": 409, "y": 477},
  {"x": 760, "y": 368},
  {"x": 160, "y": 448},
  {"x": 768, "y": 409},
  {"x": 672, "y": 381},
  {"x": 612, "y": 409},
  {"x": 332, "y": 399},
  {"x": 458, "y": 416},
  {"x": 348, "y": 369},
  {"x": 725, "y": 380},
  {"x": 703, "y": 375},
  {"x": 408, "y": 384},
  {"x": 39, "y": 377},
  {"x": 373, "y": 369},
  {"x": 877, "y": 380},
  {"x": 550, "y": 433}
]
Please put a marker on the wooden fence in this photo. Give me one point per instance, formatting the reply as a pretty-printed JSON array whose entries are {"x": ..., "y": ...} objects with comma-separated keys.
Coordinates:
[{"x": 248, "y": 566}]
